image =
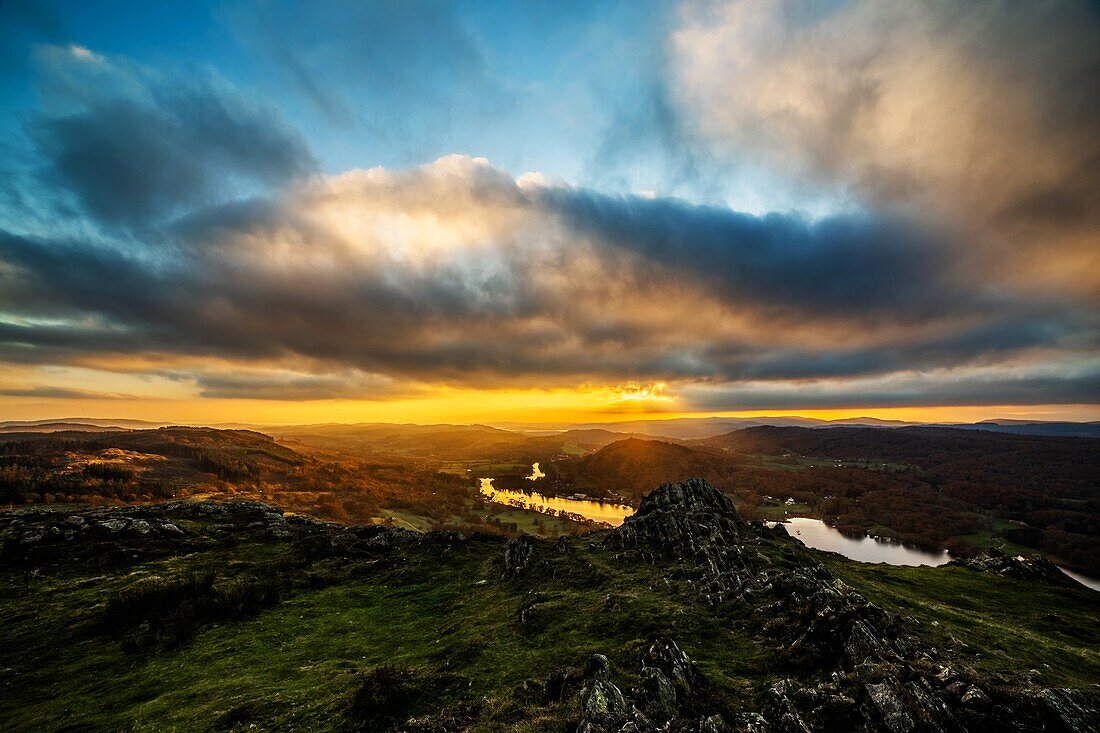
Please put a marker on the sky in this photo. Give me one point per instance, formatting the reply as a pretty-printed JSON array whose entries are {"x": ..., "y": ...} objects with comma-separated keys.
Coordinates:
[{"x": 418, "y": 211}]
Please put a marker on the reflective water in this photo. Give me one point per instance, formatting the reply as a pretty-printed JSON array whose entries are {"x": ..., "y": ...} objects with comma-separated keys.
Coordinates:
[
  {"x": 815, "y": 533},
  {"x": 1082, "y": 579},
  {"x": 820, "y": 536},
  {"x": 536, "y": 472},
  {"x": 599, "y": 511}
]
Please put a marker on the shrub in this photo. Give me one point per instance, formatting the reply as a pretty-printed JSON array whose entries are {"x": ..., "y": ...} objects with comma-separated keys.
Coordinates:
[
  {"x": 168, "y": 612},
  {"x": 963, "y": 549},
  {"x": 384, "y": 698}
]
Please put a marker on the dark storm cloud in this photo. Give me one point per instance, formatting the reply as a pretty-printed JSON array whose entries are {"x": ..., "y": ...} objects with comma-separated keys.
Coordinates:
[
  {"x": 841, "y": 264},
  {"x": 544, "y": 286},
  {"x": 934, "y": 391},
  {"x": 140, "y": 151}
]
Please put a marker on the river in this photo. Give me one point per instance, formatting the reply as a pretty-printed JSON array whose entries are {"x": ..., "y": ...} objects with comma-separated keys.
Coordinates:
[{"x": 597, "y": 511}]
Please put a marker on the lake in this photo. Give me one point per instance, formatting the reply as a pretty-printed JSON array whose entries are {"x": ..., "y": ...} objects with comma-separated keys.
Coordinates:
[
  {"x": 820, "y": 536},
  {"x": 597, "y": 511},
  {"x": 1083, "y": 579}
]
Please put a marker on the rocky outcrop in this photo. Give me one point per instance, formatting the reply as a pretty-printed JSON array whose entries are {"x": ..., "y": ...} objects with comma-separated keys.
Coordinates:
[
  {"x": 1070, "y": 710},
  {"x": 1020, "y": 567},
  {"x": 669, "y": 697},
  {"x": 517, "y": 554},
  {"x": 853, "y": 665},
  {"x": 109, "y": 534},
  {"x": 692, "y": 521}
]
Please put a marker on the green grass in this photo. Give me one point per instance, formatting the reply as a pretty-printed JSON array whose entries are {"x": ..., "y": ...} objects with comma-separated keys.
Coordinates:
[
  {"x": 444, "y": 614},
  {"x": 297, "y": 664},
  {"x": 777, "y": 512},
  {"x": 1001, "y": 626}
]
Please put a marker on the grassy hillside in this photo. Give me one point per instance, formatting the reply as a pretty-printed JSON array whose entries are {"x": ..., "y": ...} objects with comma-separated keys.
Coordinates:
[{"x": 248, "y": 621}]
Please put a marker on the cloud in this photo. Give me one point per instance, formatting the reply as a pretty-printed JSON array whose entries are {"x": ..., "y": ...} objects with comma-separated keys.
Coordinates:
[
  {"x": 291, "y": 387},
  {"x": 979, "y": 116},
  {"x": 134, "y": 147},
  {"x": 62, "y": 393},
  {"x": 973, "y": 387},
  {"x": 455, "y": 273},
  {"x": 852, "y": 264}
]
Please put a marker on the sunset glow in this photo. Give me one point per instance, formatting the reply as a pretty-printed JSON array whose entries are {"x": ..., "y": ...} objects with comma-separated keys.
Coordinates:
[{"x": 720, "y": 212}]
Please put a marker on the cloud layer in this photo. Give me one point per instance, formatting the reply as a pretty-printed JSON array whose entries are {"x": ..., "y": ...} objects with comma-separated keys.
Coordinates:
[
  {"x": 976, "y": 115},
  {"x": 457, "y": 273},
  {"x": 196, "y": 239}
]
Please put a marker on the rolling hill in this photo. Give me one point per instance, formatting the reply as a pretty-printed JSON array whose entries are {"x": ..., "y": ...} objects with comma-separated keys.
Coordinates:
[{"x": 628, "y": 468}]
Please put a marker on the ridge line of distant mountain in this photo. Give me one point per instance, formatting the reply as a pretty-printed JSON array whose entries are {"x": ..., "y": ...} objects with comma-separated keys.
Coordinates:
[{"x": 674, "y": 428}]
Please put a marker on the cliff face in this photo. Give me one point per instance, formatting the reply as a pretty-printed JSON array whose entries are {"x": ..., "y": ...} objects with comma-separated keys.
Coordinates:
[{"x": 686, "y": 619}]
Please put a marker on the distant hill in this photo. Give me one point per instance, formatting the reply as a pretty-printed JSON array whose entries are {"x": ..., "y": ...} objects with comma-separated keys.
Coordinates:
[
  {"x": 446, "y": 442},
  {"x": 923, "y": 446},
  {"x": 54, "y": 427},
  {"x": 1020, "y": 427},
  {"x": 630, "y": 468},
  {"x": 135, "y": 465},
  {"x": 84, "y": 423}
]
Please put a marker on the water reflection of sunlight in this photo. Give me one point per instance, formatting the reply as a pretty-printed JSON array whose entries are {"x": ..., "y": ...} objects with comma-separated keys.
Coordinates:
[{"x": 597, "y": 511}]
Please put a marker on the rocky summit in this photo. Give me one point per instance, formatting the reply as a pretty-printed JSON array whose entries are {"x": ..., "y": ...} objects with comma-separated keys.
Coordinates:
[{"x": 685, "y": 619}]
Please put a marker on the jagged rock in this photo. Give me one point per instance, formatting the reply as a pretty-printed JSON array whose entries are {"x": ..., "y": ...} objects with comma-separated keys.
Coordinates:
[
  {"x": 781, "y": 711},
  {"x": 680, "y": 517},
  {"x": 668, "y": 676},
  {"x": 114, "y": 525},
  {"x": 875, "y": 675},
  {"x": 1068, "y": 710},
  {"x": 1034, "y": 567},
  {"x": 517, "y": 554},
  {"x": 657, "y": 695},
  {"x": 711, "y": 724},
  {"x": 749, "y": 723},
  {"x": 891, "y": 707},
  {"x": 975, "y": 697},
  {"x": 665, "y": 700},
  {"x": 694, "y": 521},
  {"x": 604, "y": 708}
]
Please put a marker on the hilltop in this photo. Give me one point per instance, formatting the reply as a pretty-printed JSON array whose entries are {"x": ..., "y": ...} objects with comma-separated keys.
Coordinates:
[
  {"x": 199, "y": 616},
  {"x": 629, "y": 468}
]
